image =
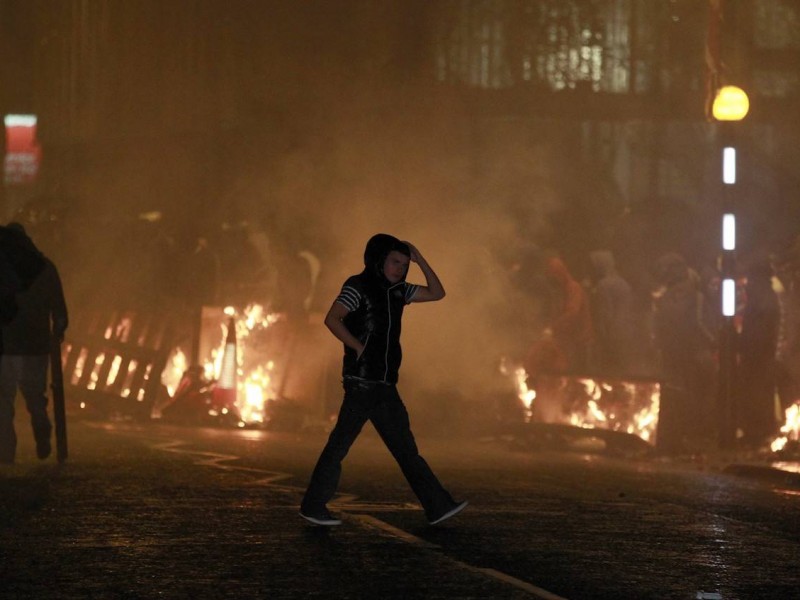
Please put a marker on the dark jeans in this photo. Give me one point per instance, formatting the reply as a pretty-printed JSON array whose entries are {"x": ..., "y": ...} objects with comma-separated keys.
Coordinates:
[
  {"x": 382, "y": 405},
  {"x": 29, "y": 373}
]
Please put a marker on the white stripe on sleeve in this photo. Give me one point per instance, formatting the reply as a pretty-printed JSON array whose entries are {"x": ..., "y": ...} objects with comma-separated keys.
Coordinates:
[
  {"x": 349, "y": 298},
  {"x": 411, "y": 290}
]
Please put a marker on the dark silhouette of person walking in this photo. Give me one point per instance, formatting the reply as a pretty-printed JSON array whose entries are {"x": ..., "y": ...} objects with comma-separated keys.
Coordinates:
[
  {"x": 41, "y": 314},
  {"x": 758, "y": 346},
  {"x": 366, "y": 318}
]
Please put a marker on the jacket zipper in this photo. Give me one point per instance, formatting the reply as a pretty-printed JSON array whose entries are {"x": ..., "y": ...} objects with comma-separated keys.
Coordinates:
[{"x": 388, "y": 331}]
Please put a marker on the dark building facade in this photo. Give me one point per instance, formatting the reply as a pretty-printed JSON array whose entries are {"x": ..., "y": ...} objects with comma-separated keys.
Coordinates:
[{"x": 176, "y": 106}]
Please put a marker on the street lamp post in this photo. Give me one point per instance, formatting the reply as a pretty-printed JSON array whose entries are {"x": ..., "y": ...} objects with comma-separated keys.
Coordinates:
[{"x": 730, "y": 106}]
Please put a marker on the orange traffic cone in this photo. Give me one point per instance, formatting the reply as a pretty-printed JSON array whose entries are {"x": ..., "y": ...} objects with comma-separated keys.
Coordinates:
[{"x": 224, "y": 394}]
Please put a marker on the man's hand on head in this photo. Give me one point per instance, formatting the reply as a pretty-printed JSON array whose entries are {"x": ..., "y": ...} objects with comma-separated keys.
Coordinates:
[{"x": 415, "y": 255}]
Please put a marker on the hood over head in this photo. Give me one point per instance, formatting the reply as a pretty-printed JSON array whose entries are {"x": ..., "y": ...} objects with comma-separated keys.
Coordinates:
[
  {"x": 21, "y": 253},
  {"x": 378, "y": 248}
]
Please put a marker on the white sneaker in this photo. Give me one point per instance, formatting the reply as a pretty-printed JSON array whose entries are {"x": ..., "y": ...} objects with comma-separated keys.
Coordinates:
[
  {"x": 323, "y": 518},
  {"x": 450, "y": 513}
]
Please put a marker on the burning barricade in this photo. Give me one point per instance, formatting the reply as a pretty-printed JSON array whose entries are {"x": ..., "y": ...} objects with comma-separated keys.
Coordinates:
[
  {"x": 600, "y": 413},
  {"x": 133, "y": 365},
  {"x": 240, "y": 379}
]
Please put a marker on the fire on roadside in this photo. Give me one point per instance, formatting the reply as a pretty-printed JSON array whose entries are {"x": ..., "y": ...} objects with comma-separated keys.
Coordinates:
[
  {"x": 255, "y": 369},
  {"x": 612, "y": 404},
  {"x": 790, "y": 431}
]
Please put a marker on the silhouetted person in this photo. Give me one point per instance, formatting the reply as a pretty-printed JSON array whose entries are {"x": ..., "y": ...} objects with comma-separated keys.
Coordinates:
[
  {"x": 758, "y": 344},
  {"x": 685, "y": 351},
  {"x": 366, "y": 318},
  {"x": 41, "y": 315},
  {"x": 20, "y": 263},
  {"x": 571, "y": 321},
  {"x": 9, "y": 286},
  {"x": 613, "y": 322}
]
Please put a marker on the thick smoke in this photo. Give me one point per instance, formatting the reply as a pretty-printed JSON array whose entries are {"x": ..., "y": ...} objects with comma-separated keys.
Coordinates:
[
  {"x": 316, "y": 130},
  {"x": 475, "y": 214}
]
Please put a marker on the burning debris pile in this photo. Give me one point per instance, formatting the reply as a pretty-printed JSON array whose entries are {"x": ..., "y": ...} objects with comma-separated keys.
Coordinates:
[
  {"x": 240, "y": 376},
  {"x": 606, "y": 404}
]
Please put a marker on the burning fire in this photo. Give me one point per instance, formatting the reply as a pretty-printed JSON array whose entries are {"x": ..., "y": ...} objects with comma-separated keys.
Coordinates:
[
  {"x": 790, "y": 429},
  {"x": 254, "y": 371},
  {"x": 592, "y": 403},
  {"x": 524, "y": 393},
  {"x": 176, "y": 366},
  {"x": 641, "y": 422}
]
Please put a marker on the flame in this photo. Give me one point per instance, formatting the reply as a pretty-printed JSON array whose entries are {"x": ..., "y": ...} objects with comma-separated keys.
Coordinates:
[
  {"x": 126, "y": 386},
  {"x": 616, "y": 405},
  {"x": 80, "y": 363},
  {"x": 790, "y": 429},
  {"x": 94, "y": 376},
  {"x": 177, "y": 364},
  {"x": 641, "y": 423},
  {"x": 524, "y": 393},
  {"x": 121, "y": 331},
  {"x": 256, "y": 392},
  {"x": 114, "y": 370},
  {"x": 255, "y": 381}
]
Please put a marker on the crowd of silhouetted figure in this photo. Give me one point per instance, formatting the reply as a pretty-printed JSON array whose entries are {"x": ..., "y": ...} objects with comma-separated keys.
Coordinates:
[
  {"x": 661, "y": 322},
  {"x": 669, "y": 330}
]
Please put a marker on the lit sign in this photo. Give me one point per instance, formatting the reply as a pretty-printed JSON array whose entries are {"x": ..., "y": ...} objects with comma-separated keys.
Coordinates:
[
  {"x": 728, "y": 232},
  {"x": 23, "y": 153},
  {"x": 728, "y": 297},
  {"x": 729, "y": 165}
]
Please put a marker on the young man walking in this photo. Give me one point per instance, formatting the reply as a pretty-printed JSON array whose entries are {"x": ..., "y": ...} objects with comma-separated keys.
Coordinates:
[{"x": 366, "y": 318}]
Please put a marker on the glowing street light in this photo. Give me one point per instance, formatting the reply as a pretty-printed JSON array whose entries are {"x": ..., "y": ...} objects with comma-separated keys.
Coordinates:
[{"x": 730, "y": 104}]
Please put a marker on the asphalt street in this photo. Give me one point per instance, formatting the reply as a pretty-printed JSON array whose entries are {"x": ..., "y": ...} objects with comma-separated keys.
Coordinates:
[{"x": 147, "y": 510}]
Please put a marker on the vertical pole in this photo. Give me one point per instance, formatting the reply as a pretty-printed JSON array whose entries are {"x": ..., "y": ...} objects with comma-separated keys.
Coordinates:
[
  {"x": 727, "y": 334},
  {"x": 59, "y": 408}
]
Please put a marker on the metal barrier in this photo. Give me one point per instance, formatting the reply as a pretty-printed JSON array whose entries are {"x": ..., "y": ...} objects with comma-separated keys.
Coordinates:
[{"x": 120, "y": 354}]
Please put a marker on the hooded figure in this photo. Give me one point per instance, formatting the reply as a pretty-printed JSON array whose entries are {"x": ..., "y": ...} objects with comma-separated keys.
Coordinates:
[
  {"x": 613, "y": 315},
  {"x": 571, "y": 322},
  {"x": 378, "y": 248},
  {"x": 20, "y": 264},
  {"x": 41, "y": 311},
  {"x": 685, "y": 346},
  {"x": 376, "y": 308},
  {"x": 39, "y": 316},
  {"x": 365, "y": 317}
]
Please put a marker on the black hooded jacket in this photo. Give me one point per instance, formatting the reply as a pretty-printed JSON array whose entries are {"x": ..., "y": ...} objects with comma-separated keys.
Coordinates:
[
  {"x": 20, "y": 264},
  {"x": 38, "y": 302},
  {"x": 375, "y": 308}
]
